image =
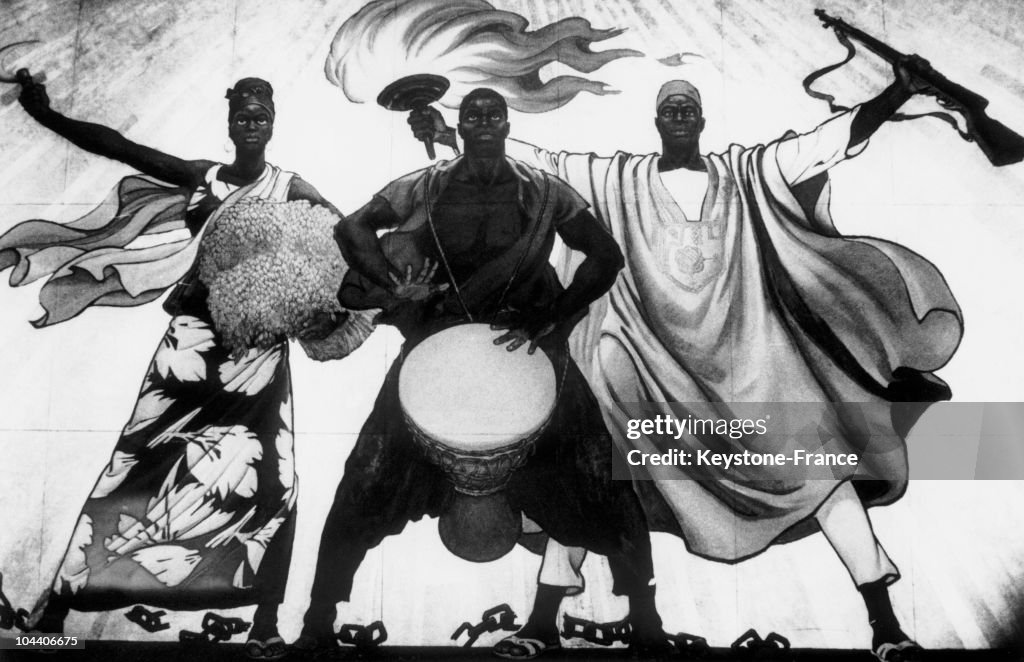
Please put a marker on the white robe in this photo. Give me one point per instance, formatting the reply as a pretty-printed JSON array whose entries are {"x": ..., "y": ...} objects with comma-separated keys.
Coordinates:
[{"x": 717, "y": 310}]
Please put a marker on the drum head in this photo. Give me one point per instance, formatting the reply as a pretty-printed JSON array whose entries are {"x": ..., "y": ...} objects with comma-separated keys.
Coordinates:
[{"x": 465, "y": 392}]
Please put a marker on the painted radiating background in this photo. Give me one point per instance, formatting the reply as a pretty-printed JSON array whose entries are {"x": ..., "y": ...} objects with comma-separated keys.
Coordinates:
[{"x": 157, "y": 71}]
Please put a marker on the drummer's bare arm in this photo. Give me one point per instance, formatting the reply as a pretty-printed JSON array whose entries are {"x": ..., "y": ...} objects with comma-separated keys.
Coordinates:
[
  {"x": 360, "y": 245},
  {"x": 357, "y": 239},
  {"x": 598, "y": 271},
  {"x": 595, "y": 275}
]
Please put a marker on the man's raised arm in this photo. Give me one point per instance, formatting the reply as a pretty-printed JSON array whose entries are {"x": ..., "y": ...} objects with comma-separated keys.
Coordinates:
[{"x": 807, "y": 155}]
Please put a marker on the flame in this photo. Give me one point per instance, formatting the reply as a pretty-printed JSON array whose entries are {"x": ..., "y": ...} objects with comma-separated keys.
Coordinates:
[{"x": 473, "y": 45}]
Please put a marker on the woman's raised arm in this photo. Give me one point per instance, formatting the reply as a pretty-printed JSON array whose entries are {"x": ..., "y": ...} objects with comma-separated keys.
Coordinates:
[{"x": 107, "y": 142}]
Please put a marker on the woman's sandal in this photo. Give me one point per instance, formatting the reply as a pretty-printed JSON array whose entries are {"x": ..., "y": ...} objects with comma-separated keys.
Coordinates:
[
  {"x": 273, "y": 648},
  {"x": 523, "y": 648}
]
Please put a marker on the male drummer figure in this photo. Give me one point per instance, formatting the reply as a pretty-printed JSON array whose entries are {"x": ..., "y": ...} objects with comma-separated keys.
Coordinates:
[{"x": 487, "y": 225}]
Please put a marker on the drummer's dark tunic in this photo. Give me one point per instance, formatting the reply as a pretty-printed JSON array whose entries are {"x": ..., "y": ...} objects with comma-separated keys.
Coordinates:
[{"x": 491, "y": 235}]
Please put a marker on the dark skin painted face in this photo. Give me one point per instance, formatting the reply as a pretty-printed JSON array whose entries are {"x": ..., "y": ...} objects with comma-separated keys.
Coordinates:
[
  {"x": 250, "y": 129},
  {"x": 679, "y": 121},
  {"x": 484, "y": 126}
]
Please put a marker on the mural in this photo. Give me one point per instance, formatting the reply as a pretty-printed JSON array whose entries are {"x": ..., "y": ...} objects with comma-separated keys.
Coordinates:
[{"x": 533, "y": 249}]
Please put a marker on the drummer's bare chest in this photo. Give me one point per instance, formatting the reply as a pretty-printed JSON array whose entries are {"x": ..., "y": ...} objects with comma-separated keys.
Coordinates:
[{"x": 475, "y": 220}]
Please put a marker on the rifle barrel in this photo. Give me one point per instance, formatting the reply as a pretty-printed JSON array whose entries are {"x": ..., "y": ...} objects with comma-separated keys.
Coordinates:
[
  {"x": 881, "y": 49},
  {"x": 1001, "y": 144}
]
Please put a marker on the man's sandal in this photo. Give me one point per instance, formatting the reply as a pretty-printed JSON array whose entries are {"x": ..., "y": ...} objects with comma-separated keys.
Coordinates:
[
  {"x": 271, "y": 649},
  {"x": 312, "y": 647},
  {"x": 904, "y": 651},
  {"x": 523, "y": 648}
]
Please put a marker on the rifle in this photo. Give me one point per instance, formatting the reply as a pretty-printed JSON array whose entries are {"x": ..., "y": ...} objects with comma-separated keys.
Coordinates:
[{"x": 1001, "y": 145}]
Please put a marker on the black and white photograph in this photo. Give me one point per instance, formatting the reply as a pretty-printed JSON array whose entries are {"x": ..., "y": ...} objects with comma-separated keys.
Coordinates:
[{"x": 512, "y": 329}]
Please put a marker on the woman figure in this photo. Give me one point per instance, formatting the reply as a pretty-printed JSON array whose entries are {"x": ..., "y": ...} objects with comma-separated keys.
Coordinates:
[{"x": 196, "y": 508}]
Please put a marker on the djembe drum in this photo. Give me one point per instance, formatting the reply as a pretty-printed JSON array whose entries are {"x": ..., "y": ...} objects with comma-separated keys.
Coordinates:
[{"x": 476, "y": 410}]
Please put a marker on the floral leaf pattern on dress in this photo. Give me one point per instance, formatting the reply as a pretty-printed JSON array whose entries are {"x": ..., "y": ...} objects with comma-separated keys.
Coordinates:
[
  {"x": 151, "y": 405},
  {"x": 74, "y": 570},
  {"x": 283, "y": 444},
  {"x": 223, "y": 460},
  {"x": 233, "y": 532},
  {"x": 201, "y": 507},
  {"x": 170, "y": 564},
  {"x": 199, "y": 484},
  {"x": 180, "y": 352},
  {"x": 115, "y": 473},
  {"x": 286, "y": 413},
  {"x": 251, "y": 373},
  {"x": 173, "y": 431},
  {"x": 256, "y": 546}
]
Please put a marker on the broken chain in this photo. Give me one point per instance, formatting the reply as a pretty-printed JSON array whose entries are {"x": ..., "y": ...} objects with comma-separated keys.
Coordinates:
[
  {"x": 9, "y": 617},
  {"x": 216, "y": 628},
  {"x": 602, "y": 634},
  {"x": 690, "y": 645},
  {"x": 363, "y": 636},
  {"x": 494, "y": 619},
  {"x": 750, "y": 645},
  {"x": 150, "y": 621}
]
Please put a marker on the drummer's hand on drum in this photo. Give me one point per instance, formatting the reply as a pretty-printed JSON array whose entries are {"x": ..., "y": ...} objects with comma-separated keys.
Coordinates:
[
  {"x": 418, "y": 287},
  {"x": 517, "y": 335}
]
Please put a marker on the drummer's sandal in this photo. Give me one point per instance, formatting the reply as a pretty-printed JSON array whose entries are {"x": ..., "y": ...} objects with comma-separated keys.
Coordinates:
[
  {"x": 310, "y": 646},
  {"x": 271, "y": 649},
  {"x": 904, "y": 651},
  {"x": 523, "y": 648}
]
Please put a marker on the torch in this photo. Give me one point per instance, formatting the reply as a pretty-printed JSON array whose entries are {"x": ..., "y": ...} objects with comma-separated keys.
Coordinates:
[{"x": 413, "y": 93}]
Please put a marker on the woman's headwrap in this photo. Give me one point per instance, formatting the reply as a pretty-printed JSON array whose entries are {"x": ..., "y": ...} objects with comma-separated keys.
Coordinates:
[{"x": 251, "y": 91}]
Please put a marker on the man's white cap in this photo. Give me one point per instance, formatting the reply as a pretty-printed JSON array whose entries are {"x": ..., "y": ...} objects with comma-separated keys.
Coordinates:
[{"x": 678, "y": 88}]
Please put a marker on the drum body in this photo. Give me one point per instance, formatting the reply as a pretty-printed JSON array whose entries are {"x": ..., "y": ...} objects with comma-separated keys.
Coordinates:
[
  {"x": 476, "y": 410},
  {"x": 476, "y": 473}
]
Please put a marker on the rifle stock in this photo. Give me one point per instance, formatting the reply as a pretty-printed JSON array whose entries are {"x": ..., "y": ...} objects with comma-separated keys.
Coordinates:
[{"x": 1000, "y": 144}]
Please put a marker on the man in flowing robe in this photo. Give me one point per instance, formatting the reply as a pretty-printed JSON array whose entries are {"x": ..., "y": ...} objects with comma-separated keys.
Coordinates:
[{"x": 738, "y": 288}]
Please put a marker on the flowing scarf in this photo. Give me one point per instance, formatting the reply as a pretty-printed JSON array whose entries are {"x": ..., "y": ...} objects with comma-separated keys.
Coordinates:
[{"x": 91, "y": 261}]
